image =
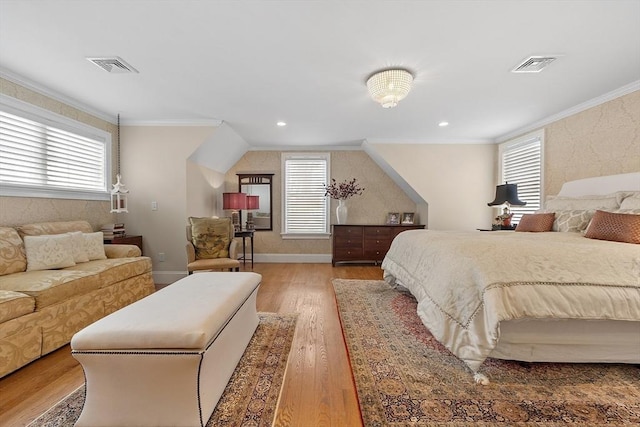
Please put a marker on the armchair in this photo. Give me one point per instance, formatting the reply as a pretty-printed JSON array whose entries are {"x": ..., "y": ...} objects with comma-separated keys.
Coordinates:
[{"x": 211, "y": 245}]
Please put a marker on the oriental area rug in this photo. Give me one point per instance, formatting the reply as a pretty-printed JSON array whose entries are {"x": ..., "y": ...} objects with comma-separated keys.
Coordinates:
[
  {"x": 404, "y": 377},
  {"x": 250, "y": 398}
]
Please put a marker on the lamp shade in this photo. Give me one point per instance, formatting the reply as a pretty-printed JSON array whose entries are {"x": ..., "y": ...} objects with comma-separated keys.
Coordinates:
[
  {"x": 253, "y": 202},
  {"x": 507, "y": 193},
  {"x": 388, "y": 87},
  {"x": 234, "y": 201}
]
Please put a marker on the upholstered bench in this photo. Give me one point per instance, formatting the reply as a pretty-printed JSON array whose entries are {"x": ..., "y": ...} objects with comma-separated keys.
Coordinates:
[{"x": 166, "y": 359}]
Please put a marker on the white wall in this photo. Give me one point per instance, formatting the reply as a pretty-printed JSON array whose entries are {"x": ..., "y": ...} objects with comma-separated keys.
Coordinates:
[
  {"x": 154, "y": 168},
  {"x": 456, "y": 181}
]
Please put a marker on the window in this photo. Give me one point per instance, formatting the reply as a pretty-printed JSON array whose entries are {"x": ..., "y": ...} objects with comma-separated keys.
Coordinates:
[
  {"x": 46, "y": 155},
  {"x": 305, "y": 207},
  {"x": 521, "y": 163}
]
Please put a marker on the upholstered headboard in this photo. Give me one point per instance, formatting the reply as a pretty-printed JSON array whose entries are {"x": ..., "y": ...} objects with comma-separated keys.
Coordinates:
[{"x": 601, "y": 185}]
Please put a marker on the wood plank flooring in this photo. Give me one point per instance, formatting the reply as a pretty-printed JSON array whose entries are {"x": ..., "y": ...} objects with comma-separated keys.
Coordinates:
[{"x": 318, "y": 388}]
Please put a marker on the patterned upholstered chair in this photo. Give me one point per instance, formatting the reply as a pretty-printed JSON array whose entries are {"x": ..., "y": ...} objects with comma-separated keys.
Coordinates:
[{"x": 211, "y": 245}]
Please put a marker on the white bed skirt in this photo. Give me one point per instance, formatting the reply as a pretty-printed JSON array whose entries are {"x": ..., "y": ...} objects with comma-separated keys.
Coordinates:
[{"x": 569, "y": 340}]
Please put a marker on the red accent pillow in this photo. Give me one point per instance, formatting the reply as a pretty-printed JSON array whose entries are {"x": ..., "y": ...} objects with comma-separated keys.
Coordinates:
[
  {"x": 616, "y": 227},
  {"x": 536, "y": 222}
]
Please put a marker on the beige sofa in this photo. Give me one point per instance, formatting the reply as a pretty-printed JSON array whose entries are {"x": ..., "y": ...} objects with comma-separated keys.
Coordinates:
[{"x": 45, "y": 297}]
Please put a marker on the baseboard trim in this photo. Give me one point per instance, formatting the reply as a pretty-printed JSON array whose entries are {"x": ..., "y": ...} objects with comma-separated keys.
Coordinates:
[{"x": 294, "y": 258}]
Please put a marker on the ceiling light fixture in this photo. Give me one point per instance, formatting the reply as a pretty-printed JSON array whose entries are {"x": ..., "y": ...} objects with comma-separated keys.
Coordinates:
[
  {"x": 443, "y": 124},
  {"x": 388, "y": 87},
  {"x": 281, "y": 124}
]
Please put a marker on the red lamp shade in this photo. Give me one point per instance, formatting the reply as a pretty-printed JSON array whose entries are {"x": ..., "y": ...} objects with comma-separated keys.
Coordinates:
[
  {"x": 234, "y": 201},
  {"x": 253, "y": 202}
]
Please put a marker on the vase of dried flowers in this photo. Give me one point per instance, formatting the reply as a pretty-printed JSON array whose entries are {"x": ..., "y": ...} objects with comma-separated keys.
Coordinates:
[{"x": 341, "y": 192}]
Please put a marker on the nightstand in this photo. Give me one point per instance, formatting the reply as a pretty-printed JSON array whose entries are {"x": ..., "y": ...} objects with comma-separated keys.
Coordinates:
[{"x": 126, "y": 240}]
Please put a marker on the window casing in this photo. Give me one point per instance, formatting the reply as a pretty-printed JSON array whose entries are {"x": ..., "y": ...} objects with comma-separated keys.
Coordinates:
[
  {"x": 43, "y": 154},
  {"x": 305, "y": 208},
  {"x": 521, "y": 163}
]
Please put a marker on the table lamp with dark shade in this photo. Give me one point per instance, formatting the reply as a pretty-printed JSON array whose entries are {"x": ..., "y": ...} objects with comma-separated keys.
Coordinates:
[{"x": 506, "y": 194}]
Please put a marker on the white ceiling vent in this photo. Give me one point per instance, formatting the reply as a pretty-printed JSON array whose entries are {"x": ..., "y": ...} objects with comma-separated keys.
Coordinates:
[
  {"x": 115, "y": 65},
  {"x": 534, "y": 64}
]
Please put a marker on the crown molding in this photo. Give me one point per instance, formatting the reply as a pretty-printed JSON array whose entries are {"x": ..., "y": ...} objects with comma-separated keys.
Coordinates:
[
  {"x": 617, "y": 93},
  {"x": 173, "y": 122},
  {"x": 57, "y": 96}
]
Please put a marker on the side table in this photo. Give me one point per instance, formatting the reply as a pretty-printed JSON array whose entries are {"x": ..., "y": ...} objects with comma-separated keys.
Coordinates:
[
  {"x": 126, "y": 240},
  {"x": 244, "y": 234}
]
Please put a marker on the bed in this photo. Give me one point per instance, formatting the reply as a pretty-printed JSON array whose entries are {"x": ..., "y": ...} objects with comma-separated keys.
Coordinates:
[{"x": 537, "y": 297}]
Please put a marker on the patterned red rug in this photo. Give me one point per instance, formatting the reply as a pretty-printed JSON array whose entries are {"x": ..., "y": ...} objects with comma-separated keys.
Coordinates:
[
  {"x": 404, "y": 377},
  {"x": 250, "y": 398}
]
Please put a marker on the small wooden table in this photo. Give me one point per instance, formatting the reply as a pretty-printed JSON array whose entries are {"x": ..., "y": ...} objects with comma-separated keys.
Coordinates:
[
  {"x": 244, "y": 234},
  {"x": 126, "y": 240}
]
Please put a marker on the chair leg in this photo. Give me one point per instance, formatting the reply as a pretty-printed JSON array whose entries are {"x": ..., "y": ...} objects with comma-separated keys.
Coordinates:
[{"x": 189, "y": 272}]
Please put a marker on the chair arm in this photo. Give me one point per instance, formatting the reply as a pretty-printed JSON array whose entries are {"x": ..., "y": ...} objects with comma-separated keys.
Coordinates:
[
  {"x": 233, "y": 249},
  {"x": 191, "y": 253},
  {"x": 121, "y": 251}
]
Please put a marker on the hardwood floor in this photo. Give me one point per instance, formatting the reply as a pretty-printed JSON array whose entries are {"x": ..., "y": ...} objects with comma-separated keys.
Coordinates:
[{"x": 318, "y": 389}]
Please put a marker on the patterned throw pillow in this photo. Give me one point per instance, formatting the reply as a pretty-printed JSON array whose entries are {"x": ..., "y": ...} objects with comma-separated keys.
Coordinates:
[
  {"x": 49, "y": 251},
  {"x": 536, "y": 222},
  {"x": 94, "y": 245},
  {"x": 210, "y": 237},
  {"x": 79, "y": 252},
  {"x": 616, "y": 227},
  {"x": 575, "y": 221},
  {"x": 12, "y": 256}
]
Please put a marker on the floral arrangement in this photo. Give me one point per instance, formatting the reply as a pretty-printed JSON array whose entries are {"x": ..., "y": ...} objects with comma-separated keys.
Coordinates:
[{"x": 343, "y": 190}]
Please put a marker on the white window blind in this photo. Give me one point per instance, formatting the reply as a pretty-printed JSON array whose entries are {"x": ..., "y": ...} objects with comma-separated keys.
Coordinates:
[
  {"x": 38, "y": 158},
  {"x": 521, "y": 163},
  {"x": 305, "y": 205}
]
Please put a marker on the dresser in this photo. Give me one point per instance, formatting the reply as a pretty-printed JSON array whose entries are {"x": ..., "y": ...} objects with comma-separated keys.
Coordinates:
[{"x": 364, "y": 243}]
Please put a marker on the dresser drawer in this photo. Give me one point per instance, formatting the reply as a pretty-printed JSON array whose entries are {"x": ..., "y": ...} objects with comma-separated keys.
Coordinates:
[
  {"x": 375, "y": 254},
  {"x": 377, "y": 232},
  {"x": 347, "y": 231},
  {"x": 348, "y": 254}
]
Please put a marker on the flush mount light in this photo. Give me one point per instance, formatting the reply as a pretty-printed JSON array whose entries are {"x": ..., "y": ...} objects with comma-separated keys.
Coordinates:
[
  {"x": 388, "y": 87},
  {"x": 443, "y": 124},
  {"x": 281, "y": 124}
]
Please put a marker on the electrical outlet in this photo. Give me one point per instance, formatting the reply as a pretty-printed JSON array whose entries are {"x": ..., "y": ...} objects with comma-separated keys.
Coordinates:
[{"x": 161, "y": 257}]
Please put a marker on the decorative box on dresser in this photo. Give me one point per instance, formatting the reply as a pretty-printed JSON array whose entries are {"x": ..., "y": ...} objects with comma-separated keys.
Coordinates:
[{"x": 364, "y": 243}]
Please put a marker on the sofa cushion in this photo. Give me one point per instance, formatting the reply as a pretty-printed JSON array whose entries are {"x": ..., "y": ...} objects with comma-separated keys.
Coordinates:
[
  {"x": 49, "y": 251},
  {"x": 13, "y": 258},
  {"x": 78, "y": 247},
  {"x": 52, "y": 286},
  {"x": 15, "y": 304},
  {"x": 56, "y": 227},
  {"x": 94, "y": 245}
]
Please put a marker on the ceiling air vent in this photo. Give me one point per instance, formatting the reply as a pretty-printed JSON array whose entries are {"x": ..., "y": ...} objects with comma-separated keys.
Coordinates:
[
  {"x": 115, "y": 65},
  {"x": 533, "y": 64}
]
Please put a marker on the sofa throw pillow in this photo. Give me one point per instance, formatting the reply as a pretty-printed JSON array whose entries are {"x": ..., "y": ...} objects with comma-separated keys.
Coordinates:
[
  {"x": 210, "y": 237},
  {"x": 616, "y": 227},
  {"x": 48, "y": 252},
  {"x": 12, "y": 256},
  {"x": 94, "y": 245},
  {"x": 540, "y": 222},
  {"x": 79, "y": 252},
  {"x": 574, "y": 221}
]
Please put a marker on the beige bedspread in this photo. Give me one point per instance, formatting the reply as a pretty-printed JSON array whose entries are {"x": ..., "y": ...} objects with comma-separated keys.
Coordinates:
[{"x": 467, "y": 282}]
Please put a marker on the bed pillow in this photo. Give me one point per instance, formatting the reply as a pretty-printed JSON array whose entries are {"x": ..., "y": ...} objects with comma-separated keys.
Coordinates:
[
  {"x": 539, "y": 222},
  {"x": 559, "y": 203},
  {"x": 616, "y": 227},
  {"x": 48, "y": 252},
  {"x": 575, "y": 221},
  {"x": 631, "y": 201},
  {"x": 78, "y": 247},
  {"x": 94, "y": 245}
]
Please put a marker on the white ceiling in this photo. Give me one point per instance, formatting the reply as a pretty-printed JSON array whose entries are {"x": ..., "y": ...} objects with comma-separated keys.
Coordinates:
[{"x": 253, "y": 63}]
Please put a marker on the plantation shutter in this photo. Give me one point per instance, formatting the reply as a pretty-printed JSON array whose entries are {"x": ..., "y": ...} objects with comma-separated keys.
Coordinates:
[
  {"x": 522, "y": 165},
  {"x": 305, "y": 205},
  {"x": 36, "y": 155}
]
